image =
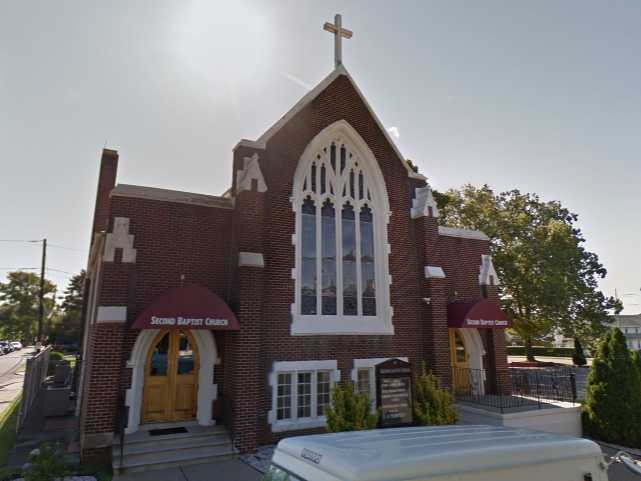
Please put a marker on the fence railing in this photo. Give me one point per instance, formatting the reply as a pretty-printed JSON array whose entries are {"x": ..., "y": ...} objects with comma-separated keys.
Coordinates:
[
  {"x": 35, "y": 374},
  {"x": 527, "y": 388}
]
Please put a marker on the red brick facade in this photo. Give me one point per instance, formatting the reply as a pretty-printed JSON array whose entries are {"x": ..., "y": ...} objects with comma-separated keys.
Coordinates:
[{"x": 183, "y": 239}]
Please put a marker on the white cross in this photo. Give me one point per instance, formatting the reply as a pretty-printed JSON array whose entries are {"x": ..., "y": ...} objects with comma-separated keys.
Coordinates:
[{"x": 339, "y": 32}]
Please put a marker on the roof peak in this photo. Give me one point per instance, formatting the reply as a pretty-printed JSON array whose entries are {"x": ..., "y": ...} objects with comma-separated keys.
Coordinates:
[{"x": 339, "y": 70}]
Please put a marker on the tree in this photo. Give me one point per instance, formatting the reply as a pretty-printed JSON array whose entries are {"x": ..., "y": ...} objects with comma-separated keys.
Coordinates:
[
  {"x": 579, "y": 356},
  {"x": 433, "y": 406},
  {"x": 349, "y": 411},
  {"x": 548, "y": 279},
  {"x": 65, "y": 328},
  {"x": 19, "y": 301},
  {"x": 612, "y": 410}
]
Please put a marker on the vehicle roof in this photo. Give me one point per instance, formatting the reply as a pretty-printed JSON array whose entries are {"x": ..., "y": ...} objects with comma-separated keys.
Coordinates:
[{"x": 409, "y": 453}]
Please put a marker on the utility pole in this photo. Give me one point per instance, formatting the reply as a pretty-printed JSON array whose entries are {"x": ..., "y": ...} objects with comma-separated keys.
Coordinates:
[{"x": 41, "y": 306}]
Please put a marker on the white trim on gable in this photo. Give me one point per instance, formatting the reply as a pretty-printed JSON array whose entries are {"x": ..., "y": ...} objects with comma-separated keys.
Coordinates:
[
  {"x": 464, "y": 233},
  {"x": 487, "y": 273},
  {"x": 261, "y": 143},
  {"x": 251, "y": 171}
]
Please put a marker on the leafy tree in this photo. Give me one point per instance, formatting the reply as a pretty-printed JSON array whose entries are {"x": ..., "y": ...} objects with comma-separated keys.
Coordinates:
[
  {"x": 349, "y": 411},
  {"x": 579, "y": 356},
  {"x": 66, "y": 327},
  {"x": 548, "y": 279},
  {"x": 612, "y": 410},
  {"x": 433, "y": 405},
  {"x": 19, "y": 302}
]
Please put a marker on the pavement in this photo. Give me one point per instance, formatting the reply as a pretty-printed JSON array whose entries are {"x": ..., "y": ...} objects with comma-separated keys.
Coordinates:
[
  {"x": 12, "y": 376},
  {"x": 230, "y": 470}
]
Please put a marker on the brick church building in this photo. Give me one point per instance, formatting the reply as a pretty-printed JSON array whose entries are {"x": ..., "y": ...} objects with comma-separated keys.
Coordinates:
[{"x": 240, "y": 311}]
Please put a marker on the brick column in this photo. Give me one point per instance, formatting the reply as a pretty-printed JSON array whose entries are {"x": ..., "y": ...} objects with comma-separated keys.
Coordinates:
[
  {"x": 436, "y": 346},
  {"x": 104, "y": 364},
  {"x": 498, "y": 349},
  {"x": 246, "y": 378}
]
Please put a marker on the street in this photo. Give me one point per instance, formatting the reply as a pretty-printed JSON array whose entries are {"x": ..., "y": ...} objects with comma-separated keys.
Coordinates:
[{"x": 10, "y": 379}]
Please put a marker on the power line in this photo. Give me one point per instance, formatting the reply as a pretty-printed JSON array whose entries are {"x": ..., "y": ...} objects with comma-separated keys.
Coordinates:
[
  {"x": 66, "y": 248},
  {"x": 30, "y": 241}
]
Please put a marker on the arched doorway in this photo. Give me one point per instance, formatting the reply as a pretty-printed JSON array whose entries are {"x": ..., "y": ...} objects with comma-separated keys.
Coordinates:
[
  {"x": 466, "y": 359},
  {"x": 171, "y": 378},
  {"x": 459, "y": 357}
]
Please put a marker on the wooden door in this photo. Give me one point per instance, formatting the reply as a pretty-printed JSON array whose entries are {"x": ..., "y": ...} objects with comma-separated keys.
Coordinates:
[
  {"x": 171, "y": 378},
  {"x": 460, "y": 362}
]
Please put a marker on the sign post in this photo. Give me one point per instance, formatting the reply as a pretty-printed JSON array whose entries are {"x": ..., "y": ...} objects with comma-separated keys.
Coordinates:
[{"x": 394, "y": 393}]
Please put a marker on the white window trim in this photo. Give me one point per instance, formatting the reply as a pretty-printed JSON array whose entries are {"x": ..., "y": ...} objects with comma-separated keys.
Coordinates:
[
  {"x": 294, "y": 368},
  {"x": 371, "y": 365},
  {"x": 340, "y": 324}
]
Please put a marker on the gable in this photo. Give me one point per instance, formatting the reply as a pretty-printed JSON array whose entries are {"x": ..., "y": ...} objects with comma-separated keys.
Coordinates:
[{"x": 313, "y": 95}]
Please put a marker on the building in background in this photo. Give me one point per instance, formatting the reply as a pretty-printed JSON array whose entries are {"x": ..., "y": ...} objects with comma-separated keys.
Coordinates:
[{"x": 630, "y": 326}]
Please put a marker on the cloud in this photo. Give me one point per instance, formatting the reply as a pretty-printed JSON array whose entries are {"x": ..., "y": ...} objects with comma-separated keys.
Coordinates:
[
  {"x": 296, "y": 80},
  {"x": 394, "y": 132}
]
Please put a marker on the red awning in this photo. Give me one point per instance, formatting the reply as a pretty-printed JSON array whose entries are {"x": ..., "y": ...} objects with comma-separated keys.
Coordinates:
[
  {"x": 481, "y": 314},
  {"x": 189, "y": 307}
]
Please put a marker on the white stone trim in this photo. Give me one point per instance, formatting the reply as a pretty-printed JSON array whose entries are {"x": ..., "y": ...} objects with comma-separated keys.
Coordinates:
[
  {"x": 251, "y": 171},
  {"x": 487, "y": 273},
  {"x": 464, "y": 233},
  {"x": 434, "y": 272},
  {"x": 476, "y": 351},
  {"x": 207, "y": 390},
  {"x": 120, "y": 238},
  {"x": 423, "y": 202},
  {"x": 261, "y": 143},
  {"x": 250, "y": 259},
  {"x": 294, "y": 367},
  {"x": 111, "y": 314},
  {"x": 168, "y": 195},
  {"x": 340, "y": 324}
]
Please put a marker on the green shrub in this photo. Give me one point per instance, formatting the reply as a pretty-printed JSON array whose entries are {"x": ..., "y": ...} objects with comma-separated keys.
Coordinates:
[
  {"x": 54, "y": 358},
  {"x": 433, "y": 406},
  {"x": 612, "y": 410},
  {"x": 541, "y": 351},
  {"x": 578, "y": 358},
  {"x": 46, "y": 463},
  {"x": 349, "y": 411}
]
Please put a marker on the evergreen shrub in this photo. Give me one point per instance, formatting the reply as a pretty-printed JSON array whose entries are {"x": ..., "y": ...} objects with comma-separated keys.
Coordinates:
[
  {"x": 612, "y": 410},
  {"x": 350, "y": 411},
  {"x": 433, "y": 406}
]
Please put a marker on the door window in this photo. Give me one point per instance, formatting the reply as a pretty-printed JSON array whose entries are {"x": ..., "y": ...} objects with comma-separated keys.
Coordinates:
[
  {"x": 459, "y": 345},
  {"x": 186, "y": 362},
  {"x": 160, "y": 357}
]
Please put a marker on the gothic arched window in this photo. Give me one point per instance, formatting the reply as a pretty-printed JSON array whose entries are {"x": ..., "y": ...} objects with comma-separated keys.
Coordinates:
[{"x": 342, "y": 280}]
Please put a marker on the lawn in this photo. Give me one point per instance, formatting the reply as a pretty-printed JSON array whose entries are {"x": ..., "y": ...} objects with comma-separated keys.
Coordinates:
[{"x": 8, "y": 423}]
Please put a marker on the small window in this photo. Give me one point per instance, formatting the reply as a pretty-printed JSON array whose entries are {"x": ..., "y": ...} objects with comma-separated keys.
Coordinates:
[
  {"x": 304, "y": 394},
  {"x": 363, "y": 383},
  {"x": 323, "y": 388},
  {"x": 283, "y": 397},
  {"x": 159, "y": 357}
]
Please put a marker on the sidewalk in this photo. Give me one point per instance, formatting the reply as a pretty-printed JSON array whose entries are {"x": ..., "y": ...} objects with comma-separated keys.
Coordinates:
[{"x": 230, "y": 470}]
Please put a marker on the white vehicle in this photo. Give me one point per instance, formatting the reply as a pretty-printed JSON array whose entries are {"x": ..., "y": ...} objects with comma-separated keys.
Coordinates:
[
  {"x": 16, "y": 345},
  {"x": 461, "y": 453}
]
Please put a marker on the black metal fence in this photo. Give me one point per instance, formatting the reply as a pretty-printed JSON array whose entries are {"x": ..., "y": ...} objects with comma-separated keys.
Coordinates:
[{"x": 533, "y": 388}]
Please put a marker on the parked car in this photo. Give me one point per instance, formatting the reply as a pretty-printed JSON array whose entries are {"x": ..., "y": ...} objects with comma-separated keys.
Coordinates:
[
  {"x": 6, "y": 347},
  {"x": 17, "y": 345},
  {"x": 464, "y": 453}
]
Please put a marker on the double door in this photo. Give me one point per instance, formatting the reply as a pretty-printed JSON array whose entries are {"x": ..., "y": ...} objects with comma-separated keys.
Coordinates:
[{"x": 171, "y": 378}]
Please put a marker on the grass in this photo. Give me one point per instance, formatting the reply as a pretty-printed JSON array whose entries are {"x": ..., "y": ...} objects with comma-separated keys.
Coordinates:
[{"x": 8, "y": 423}]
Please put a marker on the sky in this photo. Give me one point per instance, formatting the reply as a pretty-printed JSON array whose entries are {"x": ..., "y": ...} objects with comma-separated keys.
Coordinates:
[{"x": 543, "y": 96}]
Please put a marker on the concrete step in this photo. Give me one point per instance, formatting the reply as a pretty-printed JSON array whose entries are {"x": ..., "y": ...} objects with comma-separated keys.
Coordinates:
[
  {"x": 200, "y": 444},
  {"x": 194, "y": 432},
  {"x": 174, "y": 444},
  {"x": 167, "y": 459}
]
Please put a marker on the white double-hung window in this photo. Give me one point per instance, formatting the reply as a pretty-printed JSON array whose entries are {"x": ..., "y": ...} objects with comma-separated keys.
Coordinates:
[
  {"x": 301, "y": 393},
  {"x": 342, "y": 274}
]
